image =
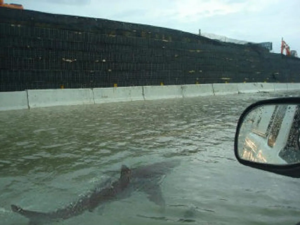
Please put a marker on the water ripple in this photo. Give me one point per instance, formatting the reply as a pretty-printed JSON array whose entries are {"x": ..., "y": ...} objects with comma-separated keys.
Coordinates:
[{"x": 50, "y": 156}]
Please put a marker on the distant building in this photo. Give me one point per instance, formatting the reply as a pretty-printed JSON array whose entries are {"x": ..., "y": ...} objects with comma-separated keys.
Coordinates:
[{"x": 267, "y": 45}]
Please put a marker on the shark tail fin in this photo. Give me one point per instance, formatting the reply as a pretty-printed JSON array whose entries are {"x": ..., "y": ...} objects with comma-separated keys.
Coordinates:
[
  {"x": 26, "y": 213},
  {"x": 18, "y": 209}
]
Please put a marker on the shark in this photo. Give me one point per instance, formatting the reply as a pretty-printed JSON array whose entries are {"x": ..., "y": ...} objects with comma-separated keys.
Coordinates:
[{"x": 145, "y": 179}]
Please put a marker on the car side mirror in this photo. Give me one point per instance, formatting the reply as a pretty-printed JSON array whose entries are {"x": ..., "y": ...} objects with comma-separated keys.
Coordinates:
[{"x": 268, "y": 136}]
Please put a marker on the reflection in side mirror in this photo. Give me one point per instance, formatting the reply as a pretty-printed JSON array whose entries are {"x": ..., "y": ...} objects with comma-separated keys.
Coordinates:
[{"x": 269, "y": 134}]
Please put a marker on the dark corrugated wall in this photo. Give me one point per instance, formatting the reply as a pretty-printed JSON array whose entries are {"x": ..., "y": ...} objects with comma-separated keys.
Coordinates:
[{"x": 41, "y": 51}]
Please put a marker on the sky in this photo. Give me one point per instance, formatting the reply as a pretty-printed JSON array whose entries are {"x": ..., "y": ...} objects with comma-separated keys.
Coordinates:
[{"x": 250, "y": 20}]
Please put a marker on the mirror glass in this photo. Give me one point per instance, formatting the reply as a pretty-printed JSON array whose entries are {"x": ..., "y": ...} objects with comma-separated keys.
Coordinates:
[{"x": 269, "y": 134}]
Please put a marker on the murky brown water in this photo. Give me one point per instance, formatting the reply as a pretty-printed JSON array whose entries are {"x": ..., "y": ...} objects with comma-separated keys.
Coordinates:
[{"x": 50, "y": 156}]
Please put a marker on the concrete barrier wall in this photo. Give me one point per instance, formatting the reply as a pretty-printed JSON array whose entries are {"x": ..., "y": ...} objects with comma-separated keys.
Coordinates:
[
  {"x": 225, "y": 89},
  {"x": 293, "y": 86},
  {"x": 13, "y": 100},
  {"x": 257, "y": 87},
  {"x": 265, "y": 87},
  {"x": 117, "y": 94},
  {"x": 196, "y": 90},
  {"x": 162, "y": 92},
  {"x": 56, "y": 97},
  {"x": 280, "y": 87},
  {"x": 137, "y": 93},
  {"x": 247, "y": 87}
]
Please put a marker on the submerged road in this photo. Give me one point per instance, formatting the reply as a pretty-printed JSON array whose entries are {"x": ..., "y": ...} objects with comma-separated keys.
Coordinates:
[{"x": 51, "y": 156}]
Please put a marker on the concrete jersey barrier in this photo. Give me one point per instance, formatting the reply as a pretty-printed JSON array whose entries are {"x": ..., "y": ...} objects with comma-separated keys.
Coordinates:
[
  {"x": 280, "y": 87},
  {"x": 162, "y": 92},
  {"x": 197, "y": 90},
  {"x": 13, "y": 100},
  {"x": 117, "y": 94},
  {"x": 293, "y": 86},
  {"x": 255, "y": 87},
  {"x": 247, "y": 88},
  {"x": 58, "y": 97},
  {"x": 225, "y": 89},
  {"x": 265, "y": 87}
]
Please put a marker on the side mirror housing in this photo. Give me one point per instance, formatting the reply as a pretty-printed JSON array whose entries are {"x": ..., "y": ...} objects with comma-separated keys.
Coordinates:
[{"x": 268, "y": 136}]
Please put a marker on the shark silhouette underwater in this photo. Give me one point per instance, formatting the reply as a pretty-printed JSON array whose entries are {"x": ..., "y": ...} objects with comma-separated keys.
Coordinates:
[{"x": 143, "y": 179}]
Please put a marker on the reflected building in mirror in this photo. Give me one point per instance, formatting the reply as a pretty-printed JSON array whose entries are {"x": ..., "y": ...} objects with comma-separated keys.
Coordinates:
[{"x": 270, "y": 134}]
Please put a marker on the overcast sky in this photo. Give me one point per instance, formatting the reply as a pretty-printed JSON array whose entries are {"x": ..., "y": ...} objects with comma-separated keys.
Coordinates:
[{"x": 249, "y": 20}]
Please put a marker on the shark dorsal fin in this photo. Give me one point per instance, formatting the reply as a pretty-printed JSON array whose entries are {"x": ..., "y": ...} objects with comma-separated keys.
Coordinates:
[
  {"x": 124, "y": 171},
  {"x": 124, "y": 176}
]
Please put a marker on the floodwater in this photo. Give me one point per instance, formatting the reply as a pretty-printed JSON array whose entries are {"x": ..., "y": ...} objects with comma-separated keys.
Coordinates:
[{"x": 50, "y": 157}]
